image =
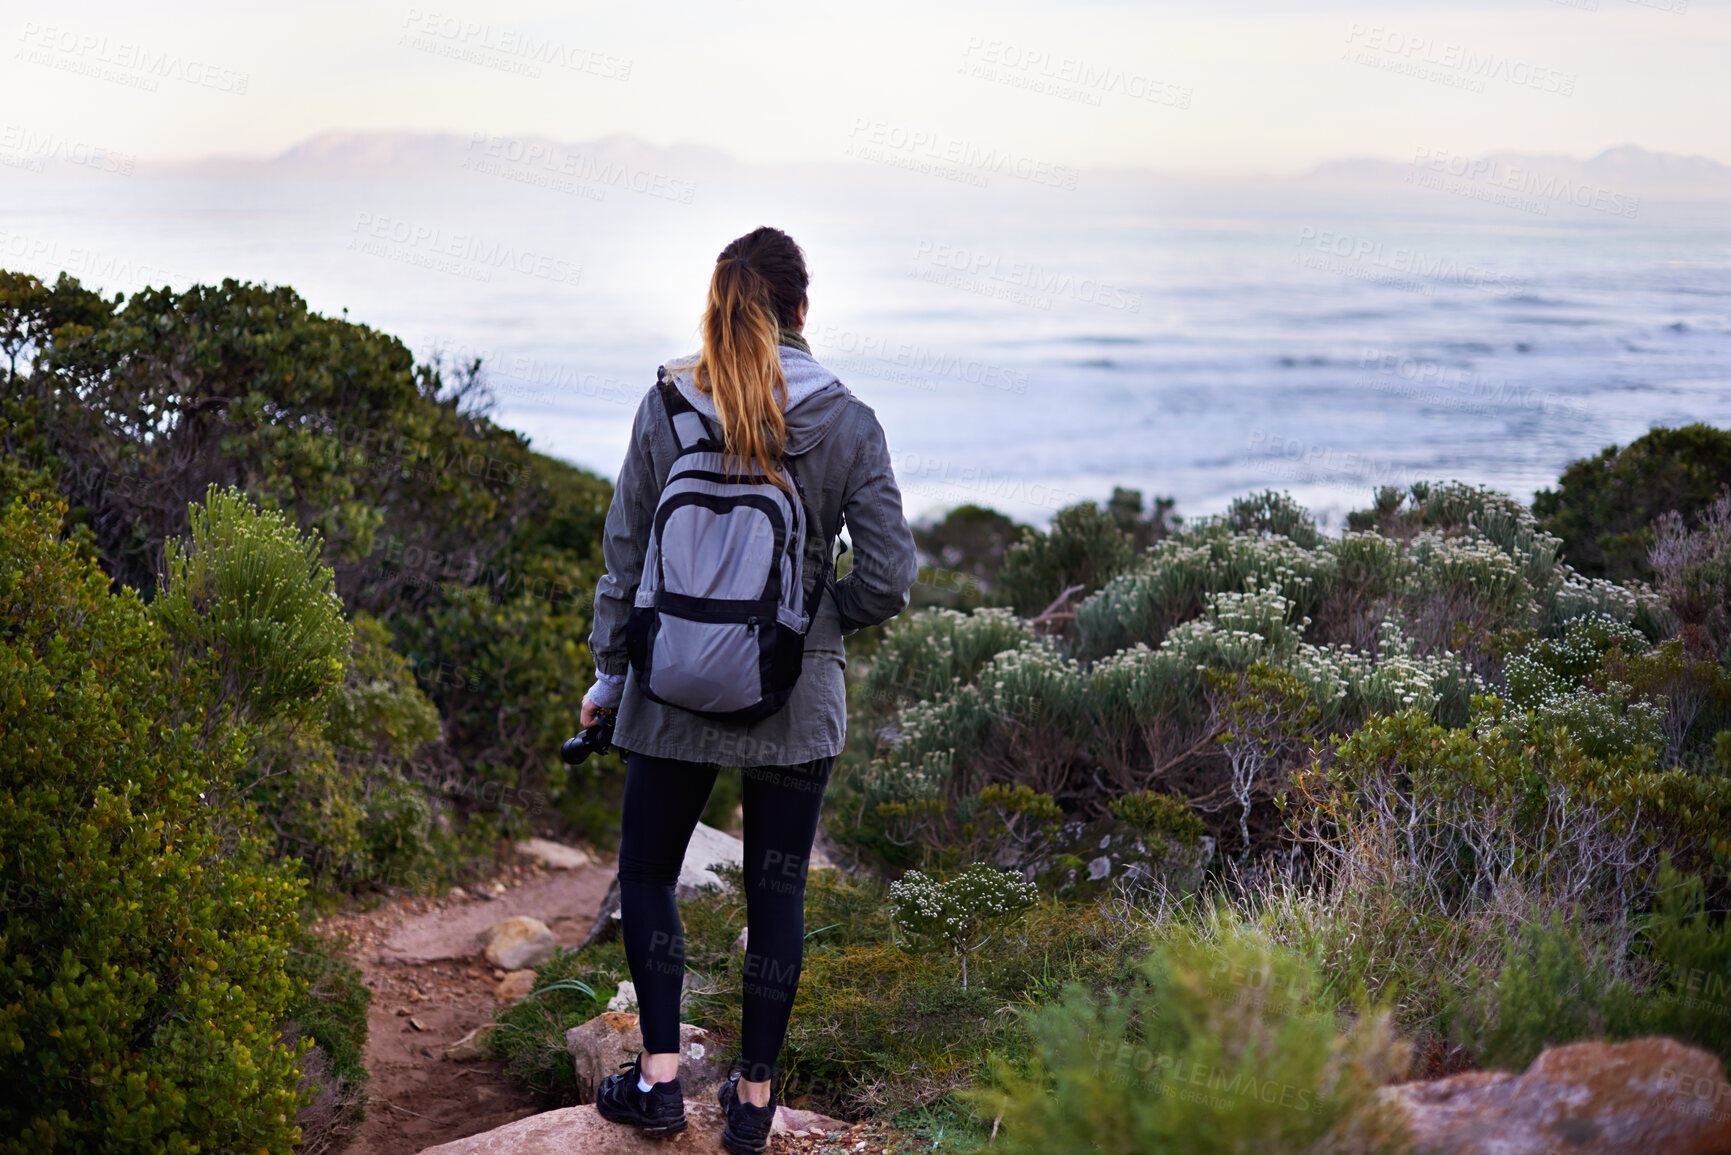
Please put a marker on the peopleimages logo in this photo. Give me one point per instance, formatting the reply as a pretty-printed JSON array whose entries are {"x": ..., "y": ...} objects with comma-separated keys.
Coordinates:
[
  {"x": 1065, "y": 77},
  {"x": 503, "y": 48},
  {"x": 1446, "y": 62},
  {"x": 936, "y": 154},
  {"x": 123, "y": 61},
  {"x": 1365, "y": 253},
  {"x": 987, "y": 273},
  {"x": 460, "y": 254},
  {"x": 1482, "y": 177},
  {"x": 55, "y": 146}
]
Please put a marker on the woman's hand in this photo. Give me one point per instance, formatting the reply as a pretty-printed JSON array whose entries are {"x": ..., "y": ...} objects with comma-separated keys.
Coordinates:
[{"x": 587, "y": 717}]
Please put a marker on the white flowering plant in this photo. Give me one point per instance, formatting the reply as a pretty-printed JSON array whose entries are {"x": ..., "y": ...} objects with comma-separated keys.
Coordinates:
[{"x": 961, "y": 912}]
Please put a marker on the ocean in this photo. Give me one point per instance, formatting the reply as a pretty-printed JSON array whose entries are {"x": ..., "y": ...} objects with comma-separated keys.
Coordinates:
[{"x": 1028, "y": 341}]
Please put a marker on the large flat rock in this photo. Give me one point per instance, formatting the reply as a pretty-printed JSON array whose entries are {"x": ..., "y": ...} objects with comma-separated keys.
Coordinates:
[
  {"x": 582, "y": 1131},
  {"x": 566, "y": 900},
  {"x": 1646, "y": 1095}
]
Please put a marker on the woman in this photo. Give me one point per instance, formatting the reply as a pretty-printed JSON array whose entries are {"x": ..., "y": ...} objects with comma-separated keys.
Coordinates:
[{"x": 787, "y": 420}]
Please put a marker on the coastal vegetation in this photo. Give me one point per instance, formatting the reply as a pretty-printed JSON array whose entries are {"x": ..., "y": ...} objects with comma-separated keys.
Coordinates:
[{"x": 291, "y": 622}]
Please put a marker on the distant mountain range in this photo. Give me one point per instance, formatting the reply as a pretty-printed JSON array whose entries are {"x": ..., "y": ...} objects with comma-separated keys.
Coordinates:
[
  {"x": 1626, "y": 164},
  {"x": 357, "y": 152},
  {"x": 1626, "y": 167}
]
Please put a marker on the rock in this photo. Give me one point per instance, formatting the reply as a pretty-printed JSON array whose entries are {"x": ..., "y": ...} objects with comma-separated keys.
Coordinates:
[
  {"x": 599, "y": 1046},
  {"x": 707, "y": 849},
  {"x": 565, "y": 900},
  {"x": 470, "y": 1047},
  {"x": 573, "y": 1129},
  {"x": 1647, "y": 1095},
  {"x": 1086, "y": 860},
  {"x": 516, "y": 985},
  {"x": 744, "y": 936},
  {"x": 582, "y": 1129},
  {"x": 555, "y": 854},
  {"x": 519, "y": 942},
  {"x": 788, "y": 1120},
  {"x": 625, "y": 999}
]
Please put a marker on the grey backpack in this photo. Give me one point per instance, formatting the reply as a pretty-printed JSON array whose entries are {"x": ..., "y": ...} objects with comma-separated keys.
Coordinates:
[{"x": 719, "y": 623}]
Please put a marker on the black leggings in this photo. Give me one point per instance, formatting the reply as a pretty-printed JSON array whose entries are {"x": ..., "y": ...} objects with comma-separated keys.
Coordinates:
[{"x": 664, "y": 799}]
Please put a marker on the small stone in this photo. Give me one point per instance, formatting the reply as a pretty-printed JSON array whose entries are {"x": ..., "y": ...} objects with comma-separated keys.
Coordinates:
[
  {"x": 625, "y": 999},
  {"x": 457, "y": 892},
  {"x": 556, "y": 855},
  {"x": 519, "y": 942},
  {"x": 739, "y": 943},
  {"x": 516, "y": 985},
  {"x": 599, "y": 1046},
  {"x": 1099, "y": 868},
  {"x": 417, "y": 1024},
  {"x": 471, "y": 1047}
]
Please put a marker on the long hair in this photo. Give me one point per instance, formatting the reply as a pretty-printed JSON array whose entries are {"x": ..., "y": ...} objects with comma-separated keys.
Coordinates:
[{"x": 755, "y": 292}]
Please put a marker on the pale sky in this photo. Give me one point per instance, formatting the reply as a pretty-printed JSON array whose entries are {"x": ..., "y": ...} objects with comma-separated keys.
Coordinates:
[{"x": 1225, "y": 86}]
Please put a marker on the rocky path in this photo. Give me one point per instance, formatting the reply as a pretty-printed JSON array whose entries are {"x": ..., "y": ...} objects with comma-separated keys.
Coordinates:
[{"x": 421, "y": 959}]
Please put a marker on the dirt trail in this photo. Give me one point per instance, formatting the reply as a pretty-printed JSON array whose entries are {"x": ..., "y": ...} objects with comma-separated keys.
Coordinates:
[{"x": 421, "y": 959}]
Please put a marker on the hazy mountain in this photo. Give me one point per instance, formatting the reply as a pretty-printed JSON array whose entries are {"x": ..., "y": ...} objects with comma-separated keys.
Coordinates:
[
  {"x": 342, "y": 152},
  {"x": 1626, "y": 167}
]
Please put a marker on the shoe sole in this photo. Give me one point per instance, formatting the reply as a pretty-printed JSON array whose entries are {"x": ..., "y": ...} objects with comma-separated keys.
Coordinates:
[
  {"x": 741, "y": 1147},
  {"x": 647, "y": 1130}
]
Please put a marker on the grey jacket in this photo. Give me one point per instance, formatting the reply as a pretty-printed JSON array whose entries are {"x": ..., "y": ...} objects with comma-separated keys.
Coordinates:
[{"x": 837, "y": 448}]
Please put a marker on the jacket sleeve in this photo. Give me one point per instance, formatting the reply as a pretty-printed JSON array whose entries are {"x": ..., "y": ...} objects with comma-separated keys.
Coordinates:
[
  {"x": 884, "y": 564},
  {"x": 624, "y": 540}
]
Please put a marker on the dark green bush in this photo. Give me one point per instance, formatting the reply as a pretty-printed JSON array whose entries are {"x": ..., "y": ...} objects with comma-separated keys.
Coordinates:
[
  {"x": 1606, "y": 508},
  {"x": 479, "y": 554},
  {"x": 144, "y": 937},
  {"x": 1084, "y": 548}
]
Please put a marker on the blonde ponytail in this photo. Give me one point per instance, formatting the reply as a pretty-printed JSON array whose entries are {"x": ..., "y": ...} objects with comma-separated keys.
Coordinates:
[{"x": 756, "y": 291}]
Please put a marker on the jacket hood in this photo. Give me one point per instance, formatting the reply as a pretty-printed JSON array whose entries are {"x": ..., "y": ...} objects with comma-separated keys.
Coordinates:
[{"x": 815, "y": 397}]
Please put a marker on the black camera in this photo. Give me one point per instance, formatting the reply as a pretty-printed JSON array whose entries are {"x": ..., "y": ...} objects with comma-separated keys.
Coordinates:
[{"x": 597, "y": 739}]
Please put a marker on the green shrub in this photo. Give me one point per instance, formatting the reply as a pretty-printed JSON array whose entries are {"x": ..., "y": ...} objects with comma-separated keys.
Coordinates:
[
  {"x": 143, "y": 940},
  {"x": 1218, "y": 1045},
  {"x": 923, "y": 654},
  {"x": 247, "y": 595},
  {"x": 963, "y": 552},
  {"x": 1552, "y": 988},
  {"x": 378, "y": 713},
  {"x": 1273, "y": 513},
  {"x": 1084, "y": 548},
  {"x": 479, "y": 554},
  {"x": 1164, "y": 816},
  {"x": 1606, "y": 508},
  {"x": 1690, "y": 994},
  {"x": 330, "y": 1010}
]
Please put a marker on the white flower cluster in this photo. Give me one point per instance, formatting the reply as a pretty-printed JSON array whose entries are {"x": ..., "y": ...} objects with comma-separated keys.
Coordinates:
[
  {"x": 1343, "y": 679},
  {"x": 960, "y": 909},
  {"x": 1184, "y": 571},
  {"x": 1473, "y": 567},
  {"x": 931, "y": 651}
]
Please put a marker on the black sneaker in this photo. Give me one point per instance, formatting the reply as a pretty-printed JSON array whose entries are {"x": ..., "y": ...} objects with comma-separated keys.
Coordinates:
[
  {"x": 658, "y": 1113},
  {"x": 747, "y": 1130}
]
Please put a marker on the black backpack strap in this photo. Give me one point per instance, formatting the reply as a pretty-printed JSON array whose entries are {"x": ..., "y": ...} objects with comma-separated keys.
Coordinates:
[{"x": 691, "y": 429}]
